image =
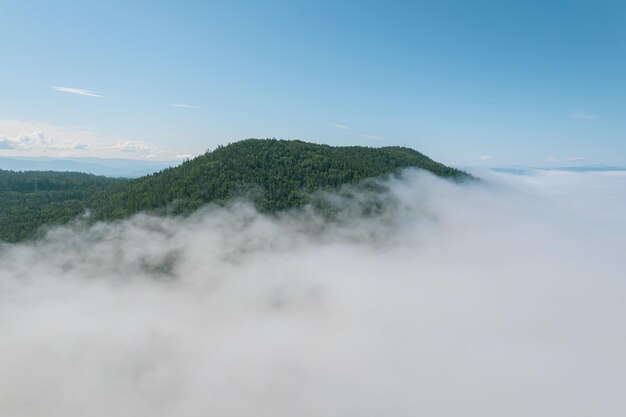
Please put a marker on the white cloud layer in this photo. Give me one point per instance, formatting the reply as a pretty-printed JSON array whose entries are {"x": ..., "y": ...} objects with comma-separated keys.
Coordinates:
[
  {"x": 499, "y": 298},
  {"x": 23, "y": 138}
]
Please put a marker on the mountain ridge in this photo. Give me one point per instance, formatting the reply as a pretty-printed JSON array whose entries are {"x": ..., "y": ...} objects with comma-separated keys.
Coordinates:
[
  {"x": 274, "y": 174},
  {"x": 284, "y": 172}
]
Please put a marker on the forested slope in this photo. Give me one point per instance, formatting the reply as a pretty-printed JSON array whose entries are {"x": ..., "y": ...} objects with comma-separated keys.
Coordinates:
[
  {"x": 274, "y": 174},
  {"x": 31, "y": 199}
]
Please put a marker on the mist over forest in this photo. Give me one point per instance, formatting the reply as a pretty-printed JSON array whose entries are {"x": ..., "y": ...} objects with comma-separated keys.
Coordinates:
[
  {"x": 499, "y": 297},
  {"x": 313, "y": 208}
]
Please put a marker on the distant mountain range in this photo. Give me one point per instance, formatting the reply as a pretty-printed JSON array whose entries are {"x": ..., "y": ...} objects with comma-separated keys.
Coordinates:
[
  {"x": 109, "y": 167},
  {"x": 273, "y": 174}
]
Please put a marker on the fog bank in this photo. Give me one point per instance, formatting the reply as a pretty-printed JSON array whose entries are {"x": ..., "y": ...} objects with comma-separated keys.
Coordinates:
[{"x": 502, "y": 297}]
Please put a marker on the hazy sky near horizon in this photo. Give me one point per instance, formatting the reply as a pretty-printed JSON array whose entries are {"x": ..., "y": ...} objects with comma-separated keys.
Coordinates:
[{"x": 468, "y": 83}]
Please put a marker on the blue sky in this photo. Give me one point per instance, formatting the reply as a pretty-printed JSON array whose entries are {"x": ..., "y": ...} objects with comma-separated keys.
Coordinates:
[{"x": 468, "y": 83}]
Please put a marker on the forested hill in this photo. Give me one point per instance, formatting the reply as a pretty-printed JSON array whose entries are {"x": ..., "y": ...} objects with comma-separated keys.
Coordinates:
[{"x": 275, "y": 174}]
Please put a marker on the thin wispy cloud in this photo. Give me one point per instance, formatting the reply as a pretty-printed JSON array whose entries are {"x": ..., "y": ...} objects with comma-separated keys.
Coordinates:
[
  {"x": 77, "y": 91},
  {"x": 185, "y": 106},
  {"x": 584, "y": 116},
  {"x": 373, "y": 137},
  {"x": 486, "y": 157},
  {"x": 340, "y": 126}
]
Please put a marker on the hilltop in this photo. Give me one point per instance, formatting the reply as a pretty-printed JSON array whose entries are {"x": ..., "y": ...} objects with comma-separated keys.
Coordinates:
[{"x": 274, "y": 174}]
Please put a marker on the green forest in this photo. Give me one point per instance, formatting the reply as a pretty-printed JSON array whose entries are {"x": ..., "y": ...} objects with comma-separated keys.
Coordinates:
[
  {"x": 29, "y": 200},
  {"x": 274, "y": 174}
]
